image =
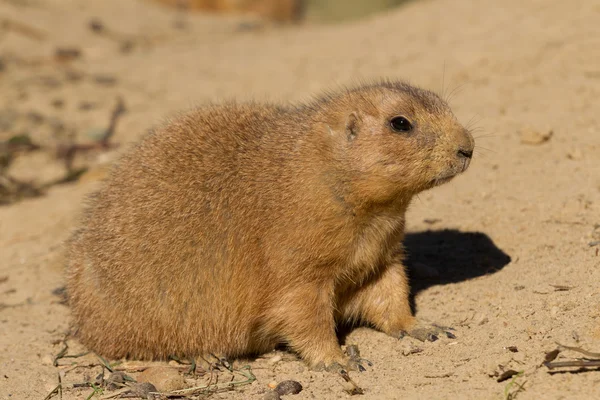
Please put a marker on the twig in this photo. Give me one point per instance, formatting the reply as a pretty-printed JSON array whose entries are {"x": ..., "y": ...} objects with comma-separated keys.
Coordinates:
[
  {"x": 114, "y": 117},
  {"x": 574, "y": 363},
  {"x": 68, "y": 152},
  {"x": 22, "y": 28},
  {"x": 562, "y": 288}
]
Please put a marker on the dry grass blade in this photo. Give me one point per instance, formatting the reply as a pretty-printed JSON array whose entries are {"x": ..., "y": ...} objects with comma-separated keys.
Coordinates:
[
  {"x": 580, "y": 350},
  {"x": 105, "y": 363},
  {"x": 61, "y": 354},
  {"x": 551, "y": 364},
  {"x": 55, "y": 391},
  {"x": 116, "y": 393}
]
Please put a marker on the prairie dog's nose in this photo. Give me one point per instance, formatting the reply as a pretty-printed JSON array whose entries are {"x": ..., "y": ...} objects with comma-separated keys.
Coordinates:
[
  {"x": 465, "y": 153},
  {"x": 466, "y": 145}
]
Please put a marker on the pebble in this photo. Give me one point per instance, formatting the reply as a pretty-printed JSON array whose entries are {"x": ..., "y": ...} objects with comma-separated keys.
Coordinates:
[
  {"x": 535, "y": 137},
  {"x": 164, "y": 378},
  {"x": 275, "y": 359},
  {"x": 271, "y": 395},
  {"x": 409, "y": 348},
  {"x": 47, "y": 360},
  {"x": 288, "y": 387}
]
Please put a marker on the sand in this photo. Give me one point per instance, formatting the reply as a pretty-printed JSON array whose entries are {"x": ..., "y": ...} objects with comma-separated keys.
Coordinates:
[{"x": 505, "y": 254}]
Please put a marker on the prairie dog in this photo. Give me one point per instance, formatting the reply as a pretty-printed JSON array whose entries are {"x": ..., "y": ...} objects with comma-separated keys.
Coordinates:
[{"x": 236, "y": 227}]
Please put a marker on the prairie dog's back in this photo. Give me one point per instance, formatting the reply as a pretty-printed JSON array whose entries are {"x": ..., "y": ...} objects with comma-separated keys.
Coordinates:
[{"x": 161, "y": 230}]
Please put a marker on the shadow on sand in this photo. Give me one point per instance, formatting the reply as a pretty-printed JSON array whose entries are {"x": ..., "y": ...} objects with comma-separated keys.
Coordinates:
[{"x": 450, "y": 256}]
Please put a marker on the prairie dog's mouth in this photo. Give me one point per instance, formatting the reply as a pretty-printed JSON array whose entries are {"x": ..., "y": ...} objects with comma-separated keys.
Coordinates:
[
  {"x": 443, "y": 179},
  {"x": 454, "y": 170}
]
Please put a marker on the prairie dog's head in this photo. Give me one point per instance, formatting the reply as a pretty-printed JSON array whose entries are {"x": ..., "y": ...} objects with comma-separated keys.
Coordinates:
[{"x": 397, "y": 139}]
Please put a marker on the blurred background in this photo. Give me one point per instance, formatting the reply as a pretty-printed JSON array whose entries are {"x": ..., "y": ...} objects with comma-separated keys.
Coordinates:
[
  {"x": 66, "y": 65},
  {"x": 291, "y": 10}
]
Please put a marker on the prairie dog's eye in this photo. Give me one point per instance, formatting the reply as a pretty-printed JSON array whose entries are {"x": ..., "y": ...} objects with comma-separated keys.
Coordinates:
[{"x": 400, "y": 124}]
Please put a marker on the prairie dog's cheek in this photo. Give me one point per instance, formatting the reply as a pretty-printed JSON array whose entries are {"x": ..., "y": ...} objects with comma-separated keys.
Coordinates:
[{"x": 426, "y": 140}]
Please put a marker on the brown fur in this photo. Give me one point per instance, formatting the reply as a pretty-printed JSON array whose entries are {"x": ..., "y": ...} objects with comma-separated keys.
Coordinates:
[{"x": 238, "y": 226}]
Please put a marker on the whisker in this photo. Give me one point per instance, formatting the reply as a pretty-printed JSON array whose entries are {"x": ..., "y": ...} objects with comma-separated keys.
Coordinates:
[
  {"x": 455, "y": 91},
  {"x": 443, "y": 80},
  {"x": 487, "y": 135},
  {"x": 475, "y": 119},
  {"x": 483, "y": 151}
]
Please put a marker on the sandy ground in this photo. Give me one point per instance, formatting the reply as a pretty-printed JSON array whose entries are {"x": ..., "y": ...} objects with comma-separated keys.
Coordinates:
[{"x": 508, "y": 247}]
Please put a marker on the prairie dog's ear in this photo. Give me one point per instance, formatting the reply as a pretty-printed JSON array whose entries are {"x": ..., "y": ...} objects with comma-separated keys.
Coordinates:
[{"x": 352, "y": 125}]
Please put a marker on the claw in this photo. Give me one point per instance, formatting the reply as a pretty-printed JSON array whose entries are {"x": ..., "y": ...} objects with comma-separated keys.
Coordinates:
[{"x": 355, "y": 360}]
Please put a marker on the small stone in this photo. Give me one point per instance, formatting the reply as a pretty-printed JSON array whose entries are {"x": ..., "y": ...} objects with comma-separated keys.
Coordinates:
[
  {"x": 64, "y": 54},
  {"x": 272, "y": 385},
  {"x": 86, "y": 106},
  {"x": 288, "y": 387},
  {"x": 96, "y": 25},
  {"x": 519, "y": 357},
  {"x": 47, "y": 360},
  {"x": 535, "y": 137},
  {"x": 409, "y": 348},
  {"x": 164, "y": 378},
  {"x": 481, "y": 319},
  {"x": 58, "y": 103},
  {"x": 105, "y": 80},
  {"x": 491, "y": 369},
  {"x": 275, "y": 359},
  {"x": 73, "y": 76},
  {"x": 127, "y": 46},
  {"x": 574, "y": 154},
  {"x": 271, "y": 395},
  {"x": 143, "y": 389},
  {"x": 506, "y": 375},
  {"x": 115, "y": 380}
]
